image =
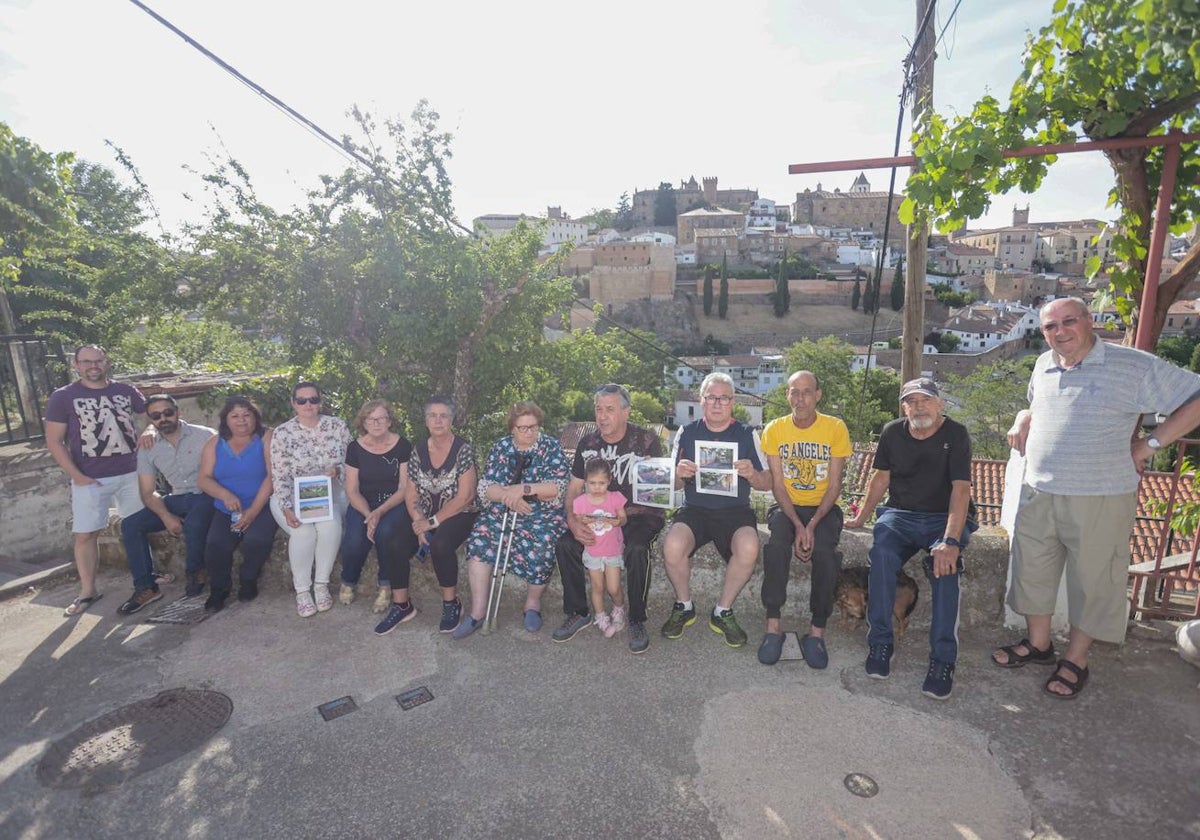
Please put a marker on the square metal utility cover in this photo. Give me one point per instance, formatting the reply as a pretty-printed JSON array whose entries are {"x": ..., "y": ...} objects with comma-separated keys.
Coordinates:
[
  {"x": 337, "y": 708},
  {"x": 185, "y": 610},
  {"x": 414, "y": 697}
]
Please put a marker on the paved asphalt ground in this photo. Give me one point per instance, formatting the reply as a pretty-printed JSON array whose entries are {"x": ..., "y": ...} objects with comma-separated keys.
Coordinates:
[{"x": 528, "y": 739}]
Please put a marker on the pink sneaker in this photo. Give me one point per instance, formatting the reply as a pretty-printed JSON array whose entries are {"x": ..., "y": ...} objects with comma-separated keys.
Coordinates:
[
  {"x": 323, "y": 598},
  {"x": 618, "y": 622},
  {"x": 304, "y": 605},
  {"x": 604, "y": 624}
]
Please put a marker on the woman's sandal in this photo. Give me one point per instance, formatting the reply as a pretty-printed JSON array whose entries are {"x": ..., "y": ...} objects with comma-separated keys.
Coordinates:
[
  {"x": 1081, "y": 678},
  {"x": 1018, "y": 660}
]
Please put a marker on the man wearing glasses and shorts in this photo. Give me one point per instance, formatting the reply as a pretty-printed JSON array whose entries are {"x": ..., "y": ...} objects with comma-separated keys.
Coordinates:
[
  {"x": 717, "y": 480},
  {"x": 90, "y": 434}
]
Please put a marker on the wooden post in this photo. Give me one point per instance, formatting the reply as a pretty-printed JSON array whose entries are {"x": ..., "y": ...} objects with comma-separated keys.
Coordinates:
[{"x": 918, "y": 234}]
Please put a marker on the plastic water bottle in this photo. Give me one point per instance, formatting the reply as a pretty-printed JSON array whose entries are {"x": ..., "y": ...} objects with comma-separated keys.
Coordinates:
[{"x": 234, "y": 518}]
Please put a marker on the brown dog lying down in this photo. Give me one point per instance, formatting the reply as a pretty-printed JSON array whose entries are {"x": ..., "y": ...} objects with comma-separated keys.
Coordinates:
[{"x": 852, "y": 592}]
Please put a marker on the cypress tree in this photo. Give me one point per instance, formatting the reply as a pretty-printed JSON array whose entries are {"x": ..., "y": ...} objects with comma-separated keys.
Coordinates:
[
  {"x": 856, "y": 297},
  {"x": 783, "y": 296},
  {"x": 723, "y": 296},
  {"x": 898, "y": 286},
  {"x": 708, "y": 289}
]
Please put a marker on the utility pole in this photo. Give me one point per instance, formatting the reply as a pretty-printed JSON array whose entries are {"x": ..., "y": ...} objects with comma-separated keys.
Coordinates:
[{"x": 918, "y": 233}]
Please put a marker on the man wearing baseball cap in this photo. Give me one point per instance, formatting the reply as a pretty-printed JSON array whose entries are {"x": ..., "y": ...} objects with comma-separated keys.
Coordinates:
[{"x": 923, "y": 463}]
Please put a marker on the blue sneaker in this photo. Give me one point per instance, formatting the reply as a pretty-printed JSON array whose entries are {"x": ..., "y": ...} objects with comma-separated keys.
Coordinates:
[
  {"x": 533, "y": 621},
  {"x": 879, "y": 661},
  {"x": 466, "y": 627},
  {"x": 396, "y": 616},
  {"x": 571, "y": 625},
  {"x": 451, "y": 613},
  {"x": 939, "y": 682}
]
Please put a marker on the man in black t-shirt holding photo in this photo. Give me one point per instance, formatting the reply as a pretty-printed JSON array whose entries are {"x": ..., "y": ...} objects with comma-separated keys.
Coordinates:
[
  {"x": 622, "y": 444},
  {"x": 923, "y": 462}
]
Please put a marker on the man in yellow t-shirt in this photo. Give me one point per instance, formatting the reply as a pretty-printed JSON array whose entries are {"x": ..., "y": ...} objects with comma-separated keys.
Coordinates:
[{"x": 807, "y": 453}]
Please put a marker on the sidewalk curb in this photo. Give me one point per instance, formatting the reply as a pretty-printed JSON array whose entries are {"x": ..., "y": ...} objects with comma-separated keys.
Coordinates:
[{"x": 47, "y": 577}]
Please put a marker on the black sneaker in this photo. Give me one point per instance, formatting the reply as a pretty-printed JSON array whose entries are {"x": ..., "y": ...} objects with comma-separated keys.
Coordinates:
[
  {"x": 248, "y": 590},
  {"x": 140, "y": 598},
  {"x": 451, "y": 613},
  {"x": 728, "y": 627},
  {"x": 939, "y": 682},
  {"x": 678, "y": 621},
  {"x": 639, "y": 639},
  {"x": 879, "y": 661},
  {"x": 396, "y": 616},
  {"x": 216, "y": 600},
  {"x": 196, "y": 582}
]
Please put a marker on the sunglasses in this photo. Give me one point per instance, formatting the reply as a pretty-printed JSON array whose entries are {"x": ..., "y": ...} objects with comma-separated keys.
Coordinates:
[
  {"x": 306, "y": 400},
  {"x": 158, "y": 415}
]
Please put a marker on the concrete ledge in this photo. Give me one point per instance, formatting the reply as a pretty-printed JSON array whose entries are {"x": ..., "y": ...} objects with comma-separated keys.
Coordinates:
[{"x": 983, "y": 583}]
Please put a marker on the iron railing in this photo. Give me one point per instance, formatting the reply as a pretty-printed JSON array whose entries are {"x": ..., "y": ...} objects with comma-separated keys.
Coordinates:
[{"x": 30, "y": 368}]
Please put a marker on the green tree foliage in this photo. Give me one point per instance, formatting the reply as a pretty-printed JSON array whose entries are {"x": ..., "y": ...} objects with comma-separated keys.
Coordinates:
[
  {"x": 708, "y": 290},
  {"x": 841, "y": 390},
  {"x": 1099, "y": 69},
  {"x": 946, "y": 296},
  {"x": 1176, "y": 349},
  {"x": 624, "y": 217},
  {"x": 783, "y": 295},
  {"x": 723, "y": 294},
  {"x": 987, "y": 401},
  {"x": 664, "y": 205},
  {"x": 647, "y": 408},
  {"x": 1194, "y": 362},
  {"x": 868, "y": 298},
  {"x": 174, "y": 343},
  {"x": 898, "y": 286},
  {"x": 856, "y": 295}
]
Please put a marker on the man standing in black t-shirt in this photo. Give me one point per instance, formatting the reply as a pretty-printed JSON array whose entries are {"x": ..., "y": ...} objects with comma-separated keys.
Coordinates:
[
  {"x": 923, "y": 462},
  {"x": 622, "y": 444}
]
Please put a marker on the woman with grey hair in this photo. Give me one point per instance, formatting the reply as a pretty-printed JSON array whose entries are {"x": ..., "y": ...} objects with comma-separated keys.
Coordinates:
[{"x": 440, "y": 496}]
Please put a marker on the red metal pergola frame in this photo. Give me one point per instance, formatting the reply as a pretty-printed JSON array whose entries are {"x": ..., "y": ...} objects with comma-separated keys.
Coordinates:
[{"x": 1162, "y": 212}]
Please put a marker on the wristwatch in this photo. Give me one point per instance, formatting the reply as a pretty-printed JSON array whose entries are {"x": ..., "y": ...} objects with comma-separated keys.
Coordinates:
[
  {"x": 1154, "y": 443},
  {"x": 527, "y": 490},
  {"x": 951, "y": 541},
  {"x": 433, "y": 523}
]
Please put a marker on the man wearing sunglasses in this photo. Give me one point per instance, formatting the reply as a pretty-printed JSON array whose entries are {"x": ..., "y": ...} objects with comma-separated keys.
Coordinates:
[
  {"x": 90, "y": 434},
  {"x": 185, "y": 511}
]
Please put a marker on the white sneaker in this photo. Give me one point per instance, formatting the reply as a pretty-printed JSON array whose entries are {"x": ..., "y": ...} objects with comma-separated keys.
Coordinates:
[
  {"x": 618, "y": 622},
  {"x": 346, "y": 595},
  {"x": 383, "y": 600},
  {"x": 304, "y": 605},
  {"x": 323, "y": 598},
  {"x": 604, "y": 623}
]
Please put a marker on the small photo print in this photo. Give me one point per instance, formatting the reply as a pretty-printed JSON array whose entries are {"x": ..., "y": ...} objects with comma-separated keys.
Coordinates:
[
  {"x": 314, "y": 498},
  {"x": 654, "y": 482},
  {"x": 715, "y": 473},
  {"x": 715, "y": 456}
]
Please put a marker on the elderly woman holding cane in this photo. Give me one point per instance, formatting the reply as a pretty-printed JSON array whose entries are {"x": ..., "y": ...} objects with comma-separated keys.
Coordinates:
[
  {"x": 527, "y": 474},
  {"x": 440, "y": 495},
  {"x": 310, "y": 444}
]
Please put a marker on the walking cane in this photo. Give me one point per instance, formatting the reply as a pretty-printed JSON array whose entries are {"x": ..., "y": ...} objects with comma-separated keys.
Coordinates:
[{"x": 508, "y": 528}]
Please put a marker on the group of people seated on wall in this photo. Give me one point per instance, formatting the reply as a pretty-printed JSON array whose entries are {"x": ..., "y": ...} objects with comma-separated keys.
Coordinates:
[{"x": 333, "y": 494}]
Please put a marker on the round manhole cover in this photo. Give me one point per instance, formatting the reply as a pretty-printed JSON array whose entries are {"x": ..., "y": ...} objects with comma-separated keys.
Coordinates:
[
  {"x": 860, "y": 784},
  {"x": 134, "y": 739}
]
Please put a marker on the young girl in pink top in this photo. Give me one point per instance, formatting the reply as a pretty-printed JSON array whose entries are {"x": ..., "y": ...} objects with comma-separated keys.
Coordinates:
[{"x": 604, "y": 511}]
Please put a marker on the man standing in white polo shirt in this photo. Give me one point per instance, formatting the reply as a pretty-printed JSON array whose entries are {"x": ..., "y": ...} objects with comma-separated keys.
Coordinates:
[
  {"x": 1079, "y": 493},
  {"x": 90, "y": 434}
]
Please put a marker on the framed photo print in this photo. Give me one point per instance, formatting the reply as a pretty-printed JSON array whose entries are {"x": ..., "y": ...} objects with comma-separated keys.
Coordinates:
[{"x": 314, "y": 498}]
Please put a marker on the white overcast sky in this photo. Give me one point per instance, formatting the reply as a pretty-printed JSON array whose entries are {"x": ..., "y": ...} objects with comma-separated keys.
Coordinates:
[{"x": 550, "y": 103}]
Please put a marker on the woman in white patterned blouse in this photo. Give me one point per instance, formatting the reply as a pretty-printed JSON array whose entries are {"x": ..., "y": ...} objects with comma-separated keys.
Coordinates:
[{"x": 310, "y": 444}]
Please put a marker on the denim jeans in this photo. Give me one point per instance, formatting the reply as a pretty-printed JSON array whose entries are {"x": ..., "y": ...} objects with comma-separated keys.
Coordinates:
[
  {"x": 394, "y": 538},
  {"x": 256, "y": 543},
  {"x": 196, "y": 511},
  {"x": 899, "y": 534}
]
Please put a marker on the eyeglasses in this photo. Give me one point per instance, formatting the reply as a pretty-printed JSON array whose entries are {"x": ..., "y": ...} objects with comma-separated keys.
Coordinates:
[
  {"x": 378, "y": 419},
  {"x": 718, "y": 400},
  {"x": 531, "y": 428},
  {"x": 438, "y": 415},
  {"x": 306, "y": 400},
  {"x": 1065, "y": 323},
  {"x": 158, "y": 415},
  {"x": 91, "y": 362}
]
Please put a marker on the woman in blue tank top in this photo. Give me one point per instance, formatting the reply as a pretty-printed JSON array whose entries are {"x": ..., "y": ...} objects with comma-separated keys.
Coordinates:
[{"x": 233, "y": 470}]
